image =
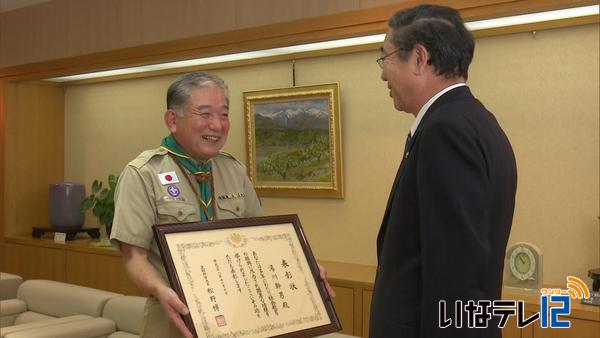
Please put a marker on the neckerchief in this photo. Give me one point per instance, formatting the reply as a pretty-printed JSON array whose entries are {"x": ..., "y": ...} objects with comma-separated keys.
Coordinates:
[{"x": 202, "y": 175}]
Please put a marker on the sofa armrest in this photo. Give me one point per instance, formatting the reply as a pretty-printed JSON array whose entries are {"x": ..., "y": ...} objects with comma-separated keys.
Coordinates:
[
  {"x": 86, "y": 328},
  {"x": 9, "y": 310},
  {"x": 9, "y": 284},
  {"x": 127, "y": 312},
  {"x": 12, "y": 306}
]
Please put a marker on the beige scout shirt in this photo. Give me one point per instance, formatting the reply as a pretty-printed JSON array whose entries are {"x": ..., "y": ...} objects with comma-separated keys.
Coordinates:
[{"x": 141, "y": 200}]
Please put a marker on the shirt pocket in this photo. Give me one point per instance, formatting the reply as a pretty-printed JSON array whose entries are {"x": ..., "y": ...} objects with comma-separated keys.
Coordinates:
[
  {"x": 175, "y": 212},
  {"x": 233, "y": 208}
]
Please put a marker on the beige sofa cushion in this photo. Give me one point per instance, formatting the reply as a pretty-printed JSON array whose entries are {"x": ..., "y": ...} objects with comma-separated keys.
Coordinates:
[
  {"x": 123, "y": 334},
  {"x": 127, "y": 313},
  {"x": 5, "y": 331},
  {"x": 30, "y": 317},
  {"x": 9, "y": 284},
  {"x": 86, "y": 328},
  {"x": 60, "y": 299}
]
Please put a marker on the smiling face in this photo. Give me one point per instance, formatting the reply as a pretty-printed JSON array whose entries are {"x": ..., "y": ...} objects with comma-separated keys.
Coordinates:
[
  {"x": 398, "y": 74},
  {"x": 203, "y": 128}
]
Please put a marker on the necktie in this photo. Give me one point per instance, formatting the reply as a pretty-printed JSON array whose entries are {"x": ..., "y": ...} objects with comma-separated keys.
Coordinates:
[{"x": 406, "y": 146}]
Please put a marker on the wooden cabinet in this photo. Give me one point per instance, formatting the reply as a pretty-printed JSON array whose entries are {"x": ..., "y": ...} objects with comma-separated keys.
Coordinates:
[
  {"x": 75, "y": 262},
  {"x": 366, "y": 309},
  {"x": 344, "y": 306},
  {"x": 34, "y": 262},
  {"x": 353, "y": 284},
  {"x": 353, "y": 301},
  {"x": 512, "y": 331},
  {"x": 585, "y": 319},
  {"x": 580, "y": 328},
  {"x": 101, "y": 271}
]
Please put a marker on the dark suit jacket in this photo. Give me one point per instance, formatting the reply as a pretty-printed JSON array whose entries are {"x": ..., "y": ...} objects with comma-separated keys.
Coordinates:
[{"x": 445, "y": 229}]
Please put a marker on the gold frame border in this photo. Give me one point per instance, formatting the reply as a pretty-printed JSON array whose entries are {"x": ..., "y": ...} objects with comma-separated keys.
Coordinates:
[{"x": 334, "y": 188}]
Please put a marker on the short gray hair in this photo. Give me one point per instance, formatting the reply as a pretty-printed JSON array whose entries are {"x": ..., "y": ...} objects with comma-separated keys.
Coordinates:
[
  {"x": 441, "y": 31},
  {"x": 178, "y": 93}
]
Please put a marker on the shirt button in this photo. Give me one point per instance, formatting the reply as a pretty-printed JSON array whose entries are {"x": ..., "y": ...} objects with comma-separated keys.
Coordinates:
[
  {"x": 237, "y": 208},
  {"x": 180, "y": 213}
]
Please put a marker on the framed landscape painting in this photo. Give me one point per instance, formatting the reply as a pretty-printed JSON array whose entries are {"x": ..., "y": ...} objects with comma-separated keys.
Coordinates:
[{"x": 294, "y": 141}]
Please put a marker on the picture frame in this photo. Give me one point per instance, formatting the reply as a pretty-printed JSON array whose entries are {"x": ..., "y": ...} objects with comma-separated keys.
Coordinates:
[
  {"x": 247, "y": 277},
  {"x": 294, "y": 141}
]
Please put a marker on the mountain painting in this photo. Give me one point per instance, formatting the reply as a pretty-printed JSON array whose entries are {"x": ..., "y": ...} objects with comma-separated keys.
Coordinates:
[{"x": 292, "y": 140}]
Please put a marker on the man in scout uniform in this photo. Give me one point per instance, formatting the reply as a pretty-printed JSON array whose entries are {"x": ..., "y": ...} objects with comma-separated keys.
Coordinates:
[{"x": 186, "y": 179}]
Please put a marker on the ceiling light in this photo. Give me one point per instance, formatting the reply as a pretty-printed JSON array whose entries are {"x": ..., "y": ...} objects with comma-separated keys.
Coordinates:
[{"x": 533, "y": 17}]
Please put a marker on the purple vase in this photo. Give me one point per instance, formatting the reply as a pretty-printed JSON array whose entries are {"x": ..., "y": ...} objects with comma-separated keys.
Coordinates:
[{"x": 63, "y": 205}]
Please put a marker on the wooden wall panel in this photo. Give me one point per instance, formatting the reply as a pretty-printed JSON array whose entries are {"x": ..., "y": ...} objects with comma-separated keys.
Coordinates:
[
  {"x": 34, "y": 262},
  {"x": 92, "y": 26},
  {"x": 170, "y": 20},
  {"x": 251, "y": 13},
  {"x": 2, "y": 163},
  {"x": 34, "y": 33},
  {"x": 129, "y": 17},
  {"x": 35, "y": 154}
]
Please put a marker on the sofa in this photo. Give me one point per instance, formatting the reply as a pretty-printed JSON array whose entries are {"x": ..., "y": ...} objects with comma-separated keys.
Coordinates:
[
  {"x": 46, "y": 304},
  {"x": 49, "y": 309}
]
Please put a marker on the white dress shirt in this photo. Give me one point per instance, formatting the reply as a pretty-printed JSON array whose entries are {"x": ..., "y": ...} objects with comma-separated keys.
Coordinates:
[{"x": 428, "y": 104}]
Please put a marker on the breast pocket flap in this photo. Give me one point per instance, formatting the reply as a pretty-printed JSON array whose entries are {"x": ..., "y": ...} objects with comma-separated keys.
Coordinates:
[
  {"x": 178, "y": 210},
  {"x": 233, "y": 206}
]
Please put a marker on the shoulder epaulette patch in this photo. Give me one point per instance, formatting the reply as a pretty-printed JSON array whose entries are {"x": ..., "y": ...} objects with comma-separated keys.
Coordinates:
[
  {"x": 145, "y": 156},
  {"x": 226, "y": 154}
]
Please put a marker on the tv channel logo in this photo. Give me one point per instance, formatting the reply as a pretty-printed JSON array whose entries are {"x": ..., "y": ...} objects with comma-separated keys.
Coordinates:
[{"x": 554, "y": 303}]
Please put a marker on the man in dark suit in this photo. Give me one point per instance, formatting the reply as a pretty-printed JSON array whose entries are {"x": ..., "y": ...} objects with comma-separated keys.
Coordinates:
[{"x": 449, "y": 214}]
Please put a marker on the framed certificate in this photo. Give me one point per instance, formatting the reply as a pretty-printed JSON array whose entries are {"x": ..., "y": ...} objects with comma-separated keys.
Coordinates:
[{"x": 247, "y": 277}]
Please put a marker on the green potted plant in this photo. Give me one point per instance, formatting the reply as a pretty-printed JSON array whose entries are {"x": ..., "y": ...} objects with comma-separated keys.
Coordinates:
[{"x": 102, "y": 202}]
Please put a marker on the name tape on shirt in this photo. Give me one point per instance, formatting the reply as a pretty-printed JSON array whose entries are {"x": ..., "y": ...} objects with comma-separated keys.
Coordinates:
[{"x": 168, "y": 178}]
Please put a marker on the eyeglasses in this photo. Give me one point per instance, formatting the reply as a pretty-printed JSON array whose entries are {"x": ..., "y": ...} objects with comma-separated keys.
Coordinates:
[{"x": 381, "y": 59}]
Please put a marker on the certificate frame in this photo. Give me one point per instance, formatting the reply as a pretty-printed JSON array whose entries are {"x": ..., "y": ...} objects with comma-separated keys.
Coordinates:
[{"x": 205, "y": 262}]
